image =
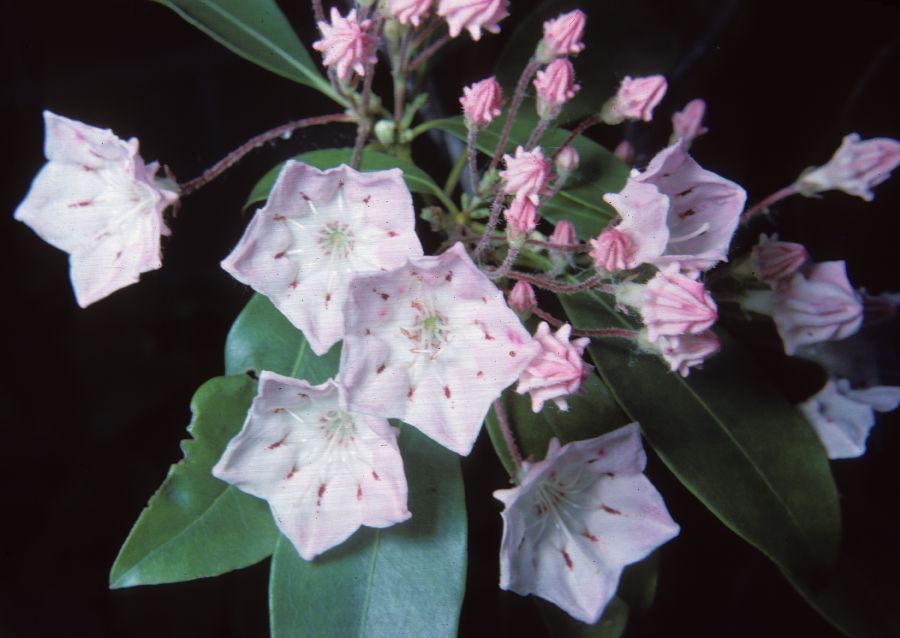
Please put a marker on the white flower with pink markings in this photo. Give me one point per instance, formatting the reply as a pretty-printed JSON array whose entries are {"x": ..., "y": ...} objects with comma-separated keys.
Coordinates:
[
  {"x": 315, "y": 232},
  {"x": 432, "y": 343},
  {"x": 855, "y": 168},
  {"x": 577, "y": 518},
  {"x": 558, "y": 369},
  {"x": 96, "y": 199},
  {"x": 323, "y": 469}
]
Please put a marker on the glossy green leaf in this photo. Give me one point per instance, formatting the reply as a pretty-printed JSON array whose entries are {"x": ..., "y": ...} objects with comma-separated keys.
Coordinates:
[
  {"x": 261, "y": 338},
  {"x": 732, "y": 439},
  {"x": 406, "y": 580},
  {"x": 258, "y": 31},
  {"x": 581, "y": 201},
  {"x": 196, "y": 525},
  {"x": 417, "y": 180}
]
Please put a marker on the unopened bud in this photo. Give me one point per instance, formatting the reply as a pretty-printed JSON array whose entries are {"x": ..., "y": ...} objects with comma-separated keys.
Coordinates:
[
  {"x": 385, "y": 132},
  {"x": 566, "y": 161}
]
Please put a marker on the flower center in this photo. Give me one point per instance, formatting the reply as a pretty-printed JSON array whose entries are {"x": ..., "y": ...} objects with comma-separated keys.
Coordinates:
[
  {"x": 429, "y": 331},
  {"x": 336, "y": 238},
  {"x": 338, "y": 427}
]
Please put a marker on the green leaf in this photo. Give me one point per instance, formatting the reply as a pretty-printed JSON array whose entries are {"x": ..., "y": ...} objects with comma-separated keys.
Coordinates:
[
  {"x": 581, "y": 201},
  {"x": 417, "y": 180},
  {"x": 258, "y": 31},
  {"x": 261, "y": 338},
  {"x": 196, "y": 525},
  {"x": 406, "y": 580},
  {"x": 732, "y": 439}
]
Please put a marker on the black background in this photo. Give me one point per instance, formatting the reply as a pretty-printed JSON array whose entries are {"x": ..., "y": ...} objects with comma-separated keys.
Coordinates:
[{"x": 95, "y": 401}]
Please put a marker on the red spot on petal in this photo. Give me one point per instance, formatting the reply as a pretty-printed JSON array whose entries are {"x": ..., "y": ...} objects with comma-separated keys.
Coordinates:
[
  {"x": 567, "y": 558},
  {"x": 375, "y": 475},
  {"x": 687, "y": 213},
  {"x": 278, "y": 218},
  {"x": 89, "y": 169},
  {"x": 80, "y": 204},
  {"x": 610, "y": 510},
  {"x": 367, "y": 199},
  {"x": 392, "y": 233},
  {"x": 368, "y": 332},
  {"x": 379, "y": 369},
  {"x": 327, "y": 298},
  {"x": 281, "y": 254},
  {"x": 358, "y": 492},
  {"x": 304, "y": 196},
  {"x": 479, "y": 374},
  {"x": 294, "y": 284},
  {"x": 277, "y": 443},
  {"x": 684, "y": 193},
  {"x": 385, "y": 296},
  {"x": 447, "y": 391},
  {"x": 512, "y": 353},
  {"x": 610, "y": 475},
  {"x": 278, "y": 410},
  {"x": 590, "y": 536},
  {"x": 601, "y": 453},
  {"x": 291, "y": 474},
  {"x": 410, "y": 392},
  {"x": 449, "y": 276},
  {"x": 484, "y": 299},
  {"x": 320, "y": 494}
]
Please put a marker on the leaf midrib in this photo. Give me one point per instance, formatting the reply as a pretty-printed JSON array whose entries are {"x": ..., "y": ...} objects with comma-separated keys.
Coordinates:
[{"x": 790, "y": 515}]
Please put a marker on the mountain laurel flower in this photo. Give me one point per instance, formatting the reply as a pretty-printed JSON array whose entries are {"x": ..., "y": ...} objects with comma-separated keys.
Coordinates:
[
  {"x": 522, "y": 298},
  {"x": 555, "y": 85},
  {"x": 473, "y": 15},
  {"x": 687, "y": 124},
  {"x": 671, "y": 304},
  {"x": 625, "y": 151},
  {"x": 774, "y": 261},
  {"x": 843, "y": 417},
  {"x": 641, "y": 234},
  {"x": 577, "y": 518},
  {"x": 526, "y": 174},
  {"x": 703, "y": 211},
  {"x": 346, "y": 44},
  {"x": 856, "y": 167},
  {"x": 409, "y": 11},
  {"x": 563, "y": 234},
  {"x": 558, "y": 369},
  {"x": 324, "y": 470},
  {"x": 316, "y": 230},
  {"x": 562, "y": 36},
  {"x": 432, "y": 343},
  {"x": 566, "y": 161},
  {"x": 815, "y": 305},
  {"x": 521, "y": 216},
  {"x": 686, "y": 351},
  {"x": 635, "y": 100},
  {"x": 481, "y": 102},
  {"x": 97, "y": 200}
]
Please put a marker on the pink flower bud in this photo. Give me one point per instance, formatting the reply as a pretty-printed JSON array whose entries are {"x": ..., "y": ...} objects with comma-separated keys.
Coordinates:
[
  {"x": 346, "y": 45},
  {"x": 521, "y": 217},
  {"x": 612, "y": 251},
  {"x": 688, "y": 351},
  {"x": 481, "y": 102},
  {"x": 409, "y": 11},
  {"x": 473, "y": 15},
  {"x": 687, "y": 124},
  {"x": 674, "y": 304},
  {"x": 562, "y": 36},
  {"x": 625, "y": 152},
  {"x": 564, "y": 233},
  {"x": 567, "y": 160},
  {"x": 636, "y": 99},
  {"x": 526, "y": 174},
  {"x": 855, "y": 168},
  {"x": 555, "y": 86},
  {"x": 521, "y": 298},
  {"x": 557, "y": 370},
  {"x": 774, "y": 261}
]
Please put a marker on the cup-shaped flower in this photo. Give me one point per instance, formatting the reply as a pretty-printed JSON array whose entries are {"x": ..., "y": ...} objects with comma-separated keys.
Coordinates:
[
  {"x": 346, "y": 44},
  {"x": 558, "y": 369},
  {"x": 481, "y": 102},
  {"x": 432, "y": 343},
  {"x": 566, "y": 161},
  {"x": 526, "y": 174},
  {"x": 815, "y": 305},
  {"x": 473, "y": 15},
  {"x": 774, "y": 261},
  {"x": 686, "y": 351},
  {"x": 703, "y": 209},
  {"x": 97, "y": 200},
  {"x": 843, "y": 417},
  {"x": 577, "y": 518},
  {"x": 315, "y": 231},
  {"x": 855, "y": 168},
  {"x": 521, "y": 216},
  {"x": 687, "y": 124},
  {"x": 672, "y": 304},
  {"x": 635, "y": 99},
  {"x": 555, "y": 85},
  {"x": 562, "y": 36},
  {"x": 522, "y": 298},
  {"x": 641, "y": 235},
  {"x": 409, "y": 11},
  {"x": 323, "y": 469}
]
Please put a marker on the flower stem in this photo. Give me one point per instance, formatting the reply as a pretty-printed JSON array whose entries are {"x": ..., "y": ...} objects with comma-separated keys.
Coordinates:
[
  {"x": 435, "y": 46},
  {"x": 472, "y": 155},
  {"x": 507, "y": 264},
  {"x": 576, "y": 332},
  {"x": 253, "y": 143},
  {"x": 537, "y": 133},
  {"x": 584, "y": 125},
  {"x": 594, "y": 282},
  {"x": 777, "y": 196},
  {"x": 506, "y": 431},
  {"x": 493, "y": 220},
  {"x": 318, "y": 11},
  {"x": 530, "y": 69},
  {"x": 455, "y": 172}
]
